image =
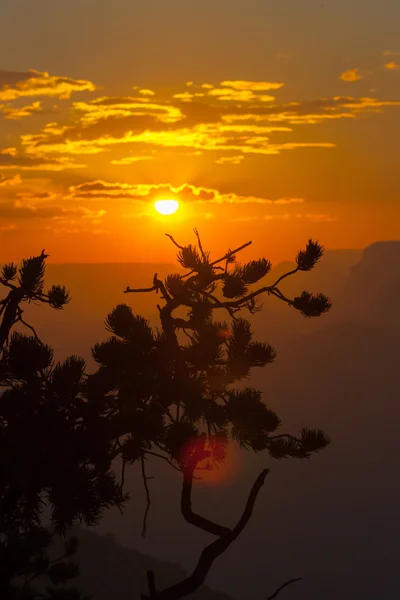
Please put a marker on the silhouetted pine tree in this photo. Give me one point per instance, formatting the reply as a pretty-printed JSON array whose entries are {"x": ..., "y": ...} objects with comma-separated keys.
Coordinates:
[
  {"x": 171, "y": 393},
  {"x": 168, "y": 393},
  {"x": 50, "y": 455}
]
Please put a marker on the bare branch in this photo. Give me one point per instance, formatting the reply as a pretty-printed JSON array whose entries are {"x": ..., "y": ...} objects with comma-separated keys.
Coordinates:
[
  {"x": 21, "y": 320},
  {"x": 164, "y": 458},
  {"x": 203, "y": 254},
  {"x": 228, "y": 254},
  {"x": 174, "y": 242},
  {"x": 275, "y": 594},
  {"x": 146, "y": 487},
  {"x": 139, "y": 290}
]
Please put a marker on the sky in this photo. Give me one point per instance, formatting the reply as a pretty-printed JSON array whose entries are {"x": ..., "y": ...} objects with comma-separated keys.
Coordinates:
[{"x": 271, "y": 121}]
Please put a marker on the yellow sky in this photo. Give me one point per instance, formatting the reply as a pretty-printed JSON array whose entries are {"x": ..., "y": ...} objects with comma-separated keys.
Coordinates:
[{"x": 82, "y": 162}]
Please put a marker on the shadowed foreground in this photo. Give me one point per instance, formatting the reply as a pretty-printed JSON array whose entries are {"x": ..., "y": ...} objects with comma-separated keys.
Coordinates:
[{"x": 109, "y": 571}]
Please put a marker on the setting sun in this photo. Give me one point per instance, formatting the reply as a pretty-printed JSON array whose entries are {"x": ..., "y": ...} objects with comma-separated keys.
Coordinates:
[{"x": 166, "y": 207}]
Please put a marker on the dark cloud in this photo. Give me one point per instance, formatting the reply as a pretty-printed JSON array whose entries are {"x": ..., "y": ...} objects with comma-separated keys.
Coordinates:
[
  {"x": 11, "y": 180},
  {"x": 13, "y": 161},
  {"x": 141, "y": 192},
  {"x": 13, "y": 77},
  {"x": 33, "y": 83}
]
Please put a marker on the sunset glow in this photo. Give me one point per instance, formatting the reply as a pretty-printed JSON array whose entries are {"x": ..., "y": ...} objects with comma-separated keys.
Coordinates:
[{"x": 290, "y": 148}]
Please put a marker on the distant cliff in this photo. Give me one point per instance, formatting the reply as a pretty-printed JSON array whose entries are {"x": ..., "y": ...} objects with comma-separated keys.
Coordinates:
[{"x": 372, "y": 291}]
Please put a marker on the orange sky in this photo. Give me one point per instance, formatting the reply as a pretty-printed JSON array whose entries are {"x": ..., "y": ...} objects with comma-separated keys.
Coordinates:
[{"x": 284, "y": 149}]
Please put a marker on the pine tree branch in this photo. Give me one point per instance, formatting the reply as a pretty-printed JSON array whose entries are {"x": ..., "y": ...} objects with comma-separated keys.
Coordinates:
[
  {"x": 241, "y": 301},
  {"x": 146, "y": 487},
  {"x": 190, "y": 516},
  {"x": 139, "y": 290},
  {"x": 7, "y": 284},
  {"x": 280, "y": 588},
  {"x": 217, "y": 303},
  {"x": 209, "y": 554},
  {"x": 164, "y": 458},
  {"x": 21, "y": 320},
  {"x": 230, "y": 253},
  {"x": 203, "y": 254},
  {"x": 174, "y": 242},
  {"x": 284, "y": 276}
]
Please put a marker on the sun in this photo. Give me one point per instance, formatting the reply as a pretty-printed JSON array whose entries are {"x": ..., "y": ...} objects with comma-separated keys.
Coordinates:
[{"x": 166, "y": 207}]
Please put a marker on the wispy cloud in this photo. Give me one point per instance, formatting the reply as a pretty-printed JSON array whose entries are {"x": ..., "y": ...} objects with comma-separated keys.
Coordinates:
[
  {"x": 14, "y": 84},
  {"x": 243, "y": 219},
  {"x": 12, "y": 180},
  {"x": 352, "y": 75},
  {"x": 106, "y": 107},
  {"x": 231, "y": 160},
  {"x": 11, "y": 160},
  {"x": 129, "y": 160},
  {"x": 205, "y": 124},
  {"x": 392, "y": 66},
  {"x": 17, "y": 209},
  {"x": 232, "y": 91},
  {"x": 17, "y": 113},
  {"x": 321, "y": 218}
]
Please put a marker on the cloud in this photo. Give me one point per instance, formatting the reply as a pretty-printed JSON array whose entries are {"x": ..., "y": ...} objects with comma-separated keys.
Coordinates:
[
  {"x": 231, "y": 118},
  {"x": 239, "y": 95},
  {"x": 255, "y": 86},
  {"x": 392, "y": 66},
  {"x": 284, "y": 216},
  {"x": 106, "y": 107},
  {"x": 12, "y": 180},
  {"x": 232, "y": 91},
  {"x": 352, "y": 75},
  {"x": 36, "y": 197},
  {"x": 128, "y": 160},
  {"x": 202, "y": 136},
  {"x": 29, "y": 205},
  {"x": 320, "y": 218},
  {"x": 140, "y": 192},
  {"x": 10, "y": 160},
  {"x": 187, "y": 96},
  {"x": 99, "y": 189},
  {"x": 243, "y": 219},
  {"x": 8, "y": 152},
  {"x": 233, "y": 160},
  {"x": 12, "y": 210},
  {"x": 289, "y": 201},
  {"x": 15, "y": 85},
  {"x": 364, "y": 103},
  {"x": 316, "y": 218},
  {"x": 21, "y": 112}
]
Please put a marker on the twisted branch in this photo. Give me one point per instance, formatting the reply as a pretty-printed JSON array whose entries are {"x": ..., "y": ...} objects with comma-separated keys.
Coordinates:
[
  {"x": 280, "y": 588},
  {"x": 208, "y": 555}
]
